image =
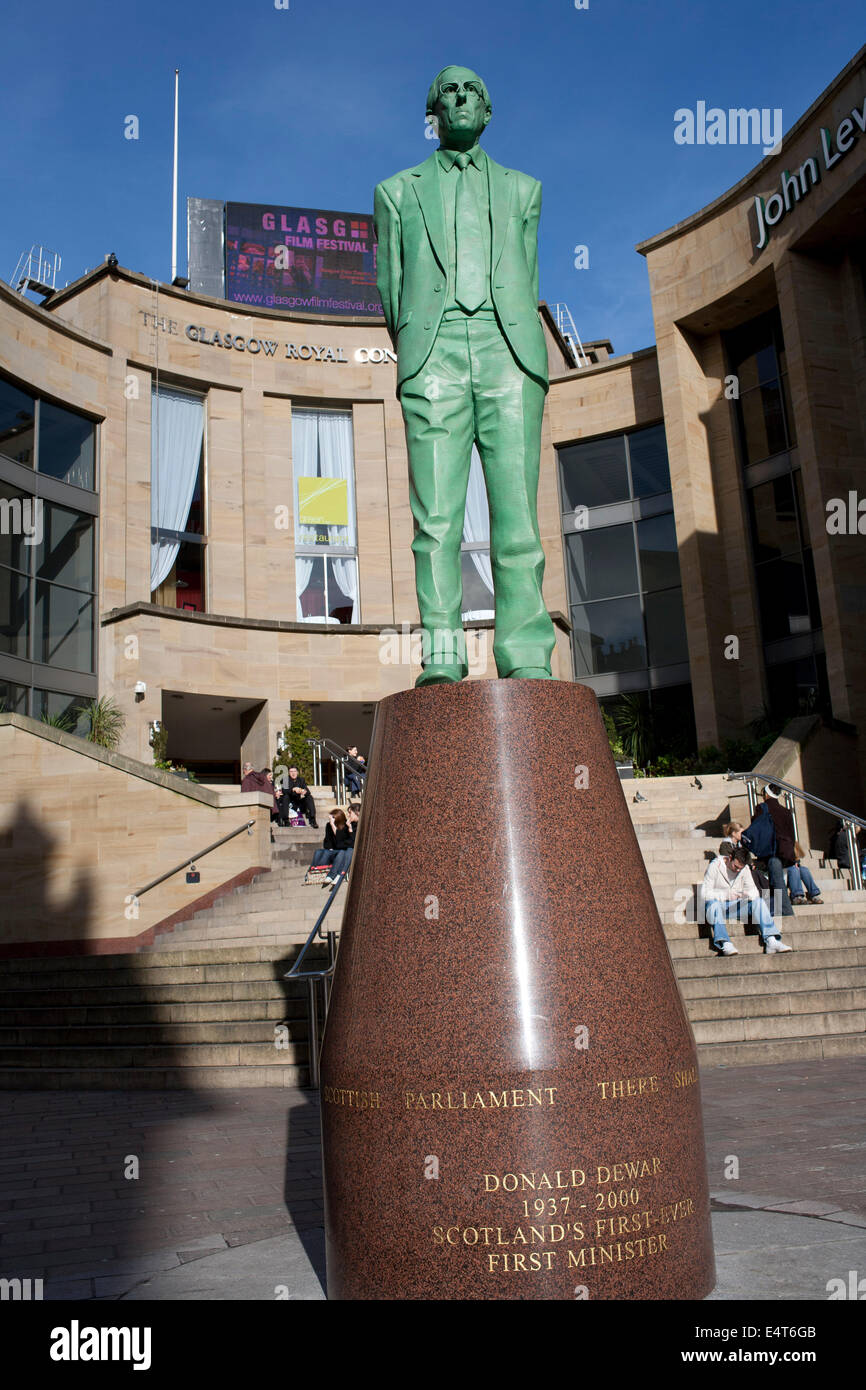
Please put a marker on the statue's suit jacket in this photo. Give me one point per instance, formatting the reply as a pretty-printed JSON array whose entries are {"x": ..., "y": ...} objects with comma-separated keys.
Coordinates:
[{"x": 413, "y": 263}]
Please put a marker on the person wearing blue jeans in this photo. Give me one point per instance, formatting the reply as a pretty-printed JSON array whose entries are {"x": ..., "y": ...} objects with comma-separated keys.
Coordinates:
[
  {"x": 340, "y": 865},
  {"x": 729, "y": 891},
  {"x": 801, "y": 884},
  {"x": 761, "y": 838}
]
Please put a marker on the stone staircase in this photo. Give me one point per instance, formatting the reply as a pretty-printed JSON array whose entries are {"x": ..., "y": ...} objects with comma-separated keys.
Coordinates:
[
  {"x": 751, "y": 1008},
  {"x": 206, "y": 1005},
  {"x": 157, "y": 1020},
  {"x": 275, "y": 910}
]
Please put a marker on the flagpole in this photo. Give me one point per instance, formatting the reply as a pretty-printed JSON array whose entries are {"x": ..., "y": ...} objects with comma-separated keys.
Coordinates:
[{"x": 174, "y": 189}]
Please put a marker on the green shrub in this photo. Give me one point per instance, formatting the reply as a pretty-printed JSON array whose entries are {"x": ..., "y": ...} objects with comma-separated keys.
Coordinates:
[
  {"x": 296, "y": 752},
  {"x": 107, "y": 721}
]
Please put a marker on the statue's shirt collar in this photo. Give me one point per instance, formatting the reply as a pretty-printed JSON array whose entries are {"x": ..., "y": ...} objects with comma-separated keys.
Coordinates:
[{"x": 447, "y": 157}]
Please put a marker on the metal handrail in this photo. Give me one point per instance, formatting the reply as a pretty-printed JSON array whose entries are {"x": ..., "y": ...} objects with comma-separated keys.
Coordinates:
[
  {"x": 338, "y": 755},
  {"x": 189, "y": 862},
  {"x": 316, "y": 745},
  {"x": 848, "y": 819},
  {"x": 314, "y": 977}
]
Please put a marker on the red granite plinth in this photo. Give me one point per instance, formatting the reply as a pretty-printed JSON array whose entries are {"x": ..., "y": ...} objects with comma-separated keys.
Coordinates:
[{"x": 510, "y": 1096}]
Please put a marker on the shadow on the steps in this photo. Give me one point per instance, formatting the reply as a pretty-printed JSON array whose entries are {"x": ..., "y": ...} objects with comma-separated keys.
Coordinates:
[{"x": 303, "y": 1124}]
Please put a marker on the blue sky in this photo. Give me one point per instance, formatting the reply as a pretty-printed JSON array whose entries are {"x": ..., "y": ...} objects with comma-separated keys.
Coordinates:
[{"x": 314, "y": 104}]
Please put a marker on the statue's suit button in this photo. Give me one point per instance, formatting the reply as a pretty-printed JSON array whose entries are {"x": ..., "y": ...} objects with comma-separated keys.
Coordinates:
[
  {"x": 428, "y": 324},
  {"x": 437, "y": 288}
]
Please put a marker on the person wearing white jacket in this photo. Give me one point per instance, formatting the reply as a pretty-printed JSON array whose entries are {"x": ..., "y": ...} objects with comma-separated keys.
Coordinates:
[{"x": 728, "y": 890}]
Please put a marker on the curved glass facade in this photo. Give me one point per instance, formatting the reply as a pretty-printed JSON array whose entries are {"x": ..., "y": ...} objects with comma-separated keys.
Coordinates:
[
  {"x": 621, "y": 560},
  {"x": 48, "y": 574}
]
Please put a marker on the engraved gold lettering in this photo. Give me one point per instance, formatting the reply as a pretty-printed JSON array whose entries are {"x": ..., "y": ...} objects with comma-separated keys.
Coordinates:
[
  {"x": 619, "y": 1252},
  {"x": 622, "y": 1172},
  {"x": 350, "y": 1098},
  {"x": 518, "y": 1098},
  {"x": 628, "y": 1086},
  {"x": 509, "y": 1182}
]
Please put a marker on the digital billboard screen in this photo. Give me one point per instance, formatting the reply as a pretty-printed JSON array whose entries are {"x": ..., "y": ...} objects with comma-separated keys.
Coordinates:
[{"x": 301, "y": 258}]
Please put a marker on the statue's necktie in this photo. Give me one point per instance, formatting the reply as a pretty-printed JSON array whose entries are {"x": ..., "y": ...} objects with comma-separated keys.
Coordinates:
[{"x": 470, "y": 289}]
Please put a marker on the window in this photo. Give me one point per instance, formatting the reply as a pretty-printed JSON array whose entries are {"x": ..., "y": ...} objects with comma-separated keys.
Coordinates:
[
  {"x": 13, "y": 698},
  {"x": 781, "y": 555},
  {"x": 594, "y": 473},
  {"x": 61, "y": 708},
  {"x": 177, "y": 510},
  {"x": 475, "y": 552},
  {"x": 14, "y": 612},
  {"x": 57, "y": 568},
  {"x": 601, "y": 563},
  {"x": 17, "y": 424},
  {"x": 657, "y": 546},
  {"x": 66, "y": 440},
  {"x": 798, "y": 687},
  {"x": 666, "y": 628},
  {"x": 66, "y": 445},
  {"x": 326, "y": 546},
  {"x": 47, "y": 550},
  {"x": 608, "y": 636},
  {"x": 623, "y": 567},
  {"x": 774, "y": 519},
  {"x": 648, "y": 460},
  {"x": 756, "y": 353}
]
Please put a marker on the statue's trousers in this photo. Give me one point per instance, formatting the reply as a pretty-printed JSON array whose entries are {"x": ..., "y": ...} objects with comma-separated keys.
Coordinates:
[{"x": 471, "y": 388}]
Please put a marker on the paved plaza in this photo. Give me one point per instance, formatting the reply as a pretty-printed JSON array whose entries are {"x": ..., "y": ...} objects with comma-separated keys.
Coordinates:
[{"x": 227, "y": 1203}]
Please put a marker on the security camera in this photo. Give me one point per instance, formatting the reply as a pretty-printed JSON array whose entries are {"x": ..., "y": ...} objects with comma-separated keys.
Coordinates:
[{"x": 140, "y": 690}]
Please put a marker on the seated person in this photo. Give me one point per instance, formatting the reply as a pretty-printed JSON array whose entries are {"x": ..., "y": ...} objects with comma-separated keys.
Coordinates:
[
  {"x": 801, "y": 884},
  {"x": 732, "y": 831},
  {"x": 356, "y": 770},
  {"x": 338, "y": 844},
  {"x": 728, "y": 890},
  {"x": 252, "y": 781},
  {"x": 839, "y": 847},
  {"x": 272, "y": 791},
  {"x": 770, "y": 837},
  {"x": 300, "y": 797}
]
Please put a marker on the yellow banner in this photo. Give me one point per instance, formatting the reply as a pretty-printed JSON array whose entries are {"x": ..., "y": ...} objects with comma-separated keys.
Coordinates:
[{"x": 323, "y": 502}]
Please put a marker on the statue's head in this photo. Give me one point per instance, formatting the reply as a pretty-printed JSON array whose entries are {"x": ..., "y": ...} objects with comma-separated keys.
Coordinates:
[{"x": 460, "y": 103}]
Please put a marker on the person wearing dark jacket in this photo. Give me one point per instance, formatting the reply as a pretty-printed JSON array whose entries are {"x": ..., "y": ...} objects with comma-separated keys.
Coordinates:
[
  {"x": 771, "y": 837},
  {"x": 300, "y": 797},
  {"x": 338, "y": 844},
  {"x": 356, "y": 770},
  {"x": 839, "y": 846}
]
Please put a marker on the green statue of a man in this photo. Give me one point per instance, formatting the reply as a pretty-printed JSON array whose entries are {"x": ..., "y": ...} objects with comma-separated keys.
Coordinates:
[{"x": 458, "y": 277}]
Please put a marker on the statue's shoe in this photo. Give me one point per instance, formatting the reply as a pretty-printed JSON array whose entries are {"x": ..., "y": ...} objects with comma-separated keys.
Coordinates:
[
  {"x": 439, "y": 675},
  {"x": 534, "y": 673}
]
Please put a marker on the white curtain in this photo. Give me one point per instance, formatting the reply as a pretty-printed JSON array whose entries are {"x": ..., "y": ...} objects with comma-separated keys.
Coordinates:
[
  {"x": 476, "y": 527},
  {"x": 336, "y": 460},
  {"x": 177, "y": 429},
  {"x": 305, "y": 459},
  {"x": 303, "y": 574},
  {"x": 322, "y": 446},
  {"x": 346, "y": 575}
]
